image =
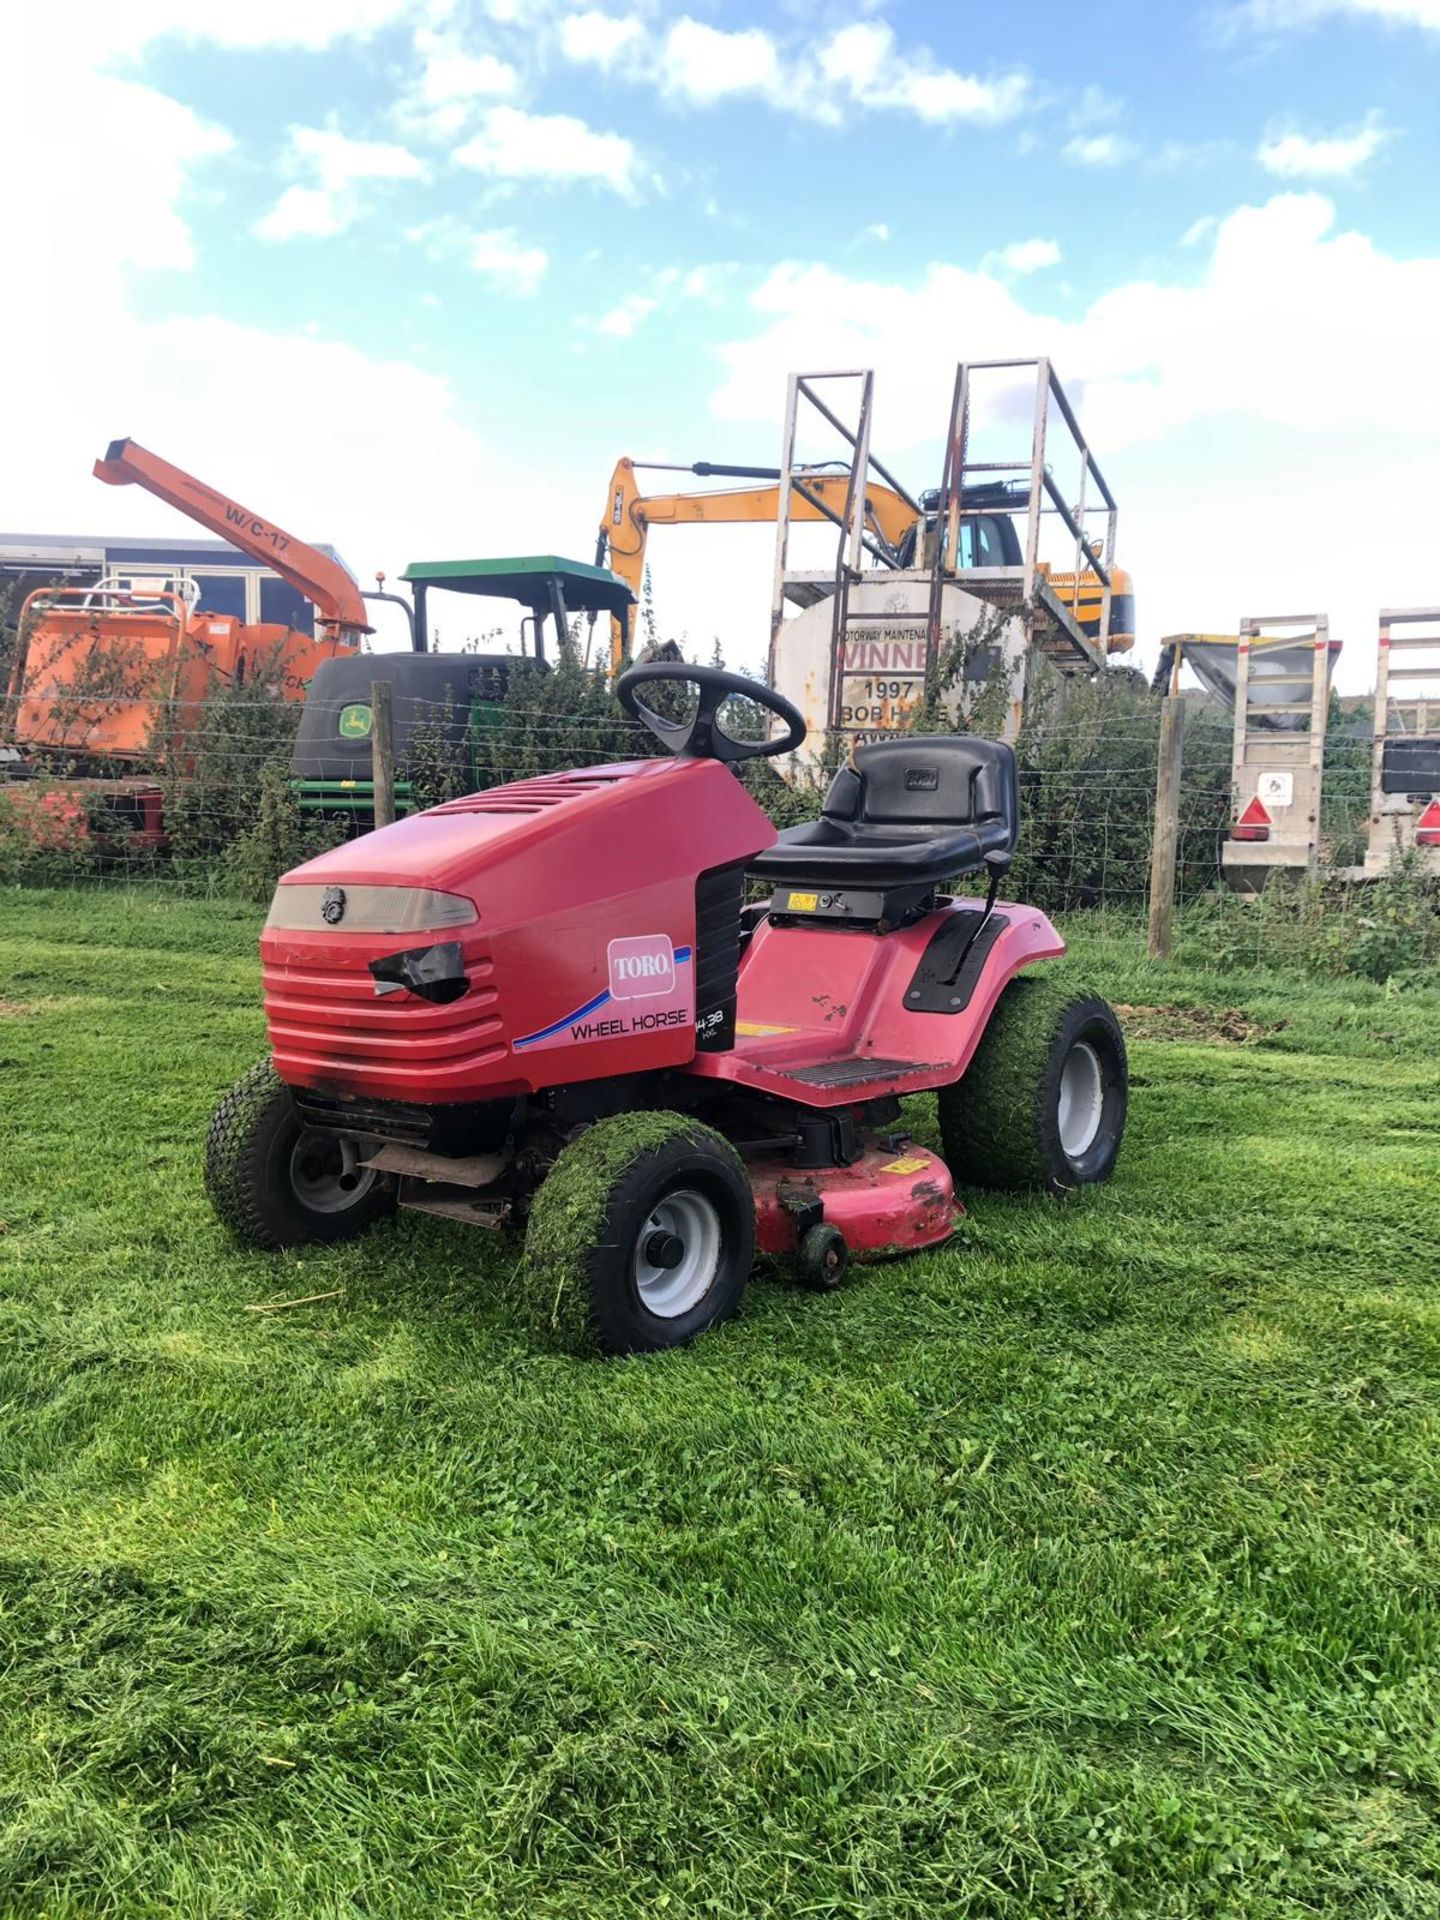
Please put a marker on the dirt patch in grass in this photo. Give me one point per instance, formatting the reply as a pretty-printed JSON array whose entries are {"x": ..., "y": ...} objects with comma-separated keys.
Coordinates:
[
  {"x": 13, "y": 1009},
  {"x": 1211, "y": 1026}
]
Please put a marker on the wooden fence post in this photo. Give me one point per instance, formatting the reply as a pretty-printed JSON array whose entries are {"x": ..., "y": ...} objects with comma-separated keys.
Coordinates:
[
  {"x": 1164, "y": 845},
  {"x": 382, "y": 751}
]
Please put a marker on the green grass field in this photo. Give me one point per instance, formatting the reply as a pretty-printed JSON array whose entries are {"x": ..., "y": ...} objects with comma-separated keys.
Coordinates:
[{"x": 1085, "y": 1567}]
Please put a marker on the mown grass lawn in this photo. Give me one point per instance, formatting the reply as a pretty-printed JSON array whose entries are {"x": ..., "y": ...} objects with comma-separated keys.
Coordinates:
[{"x": 1085, "y": 1567}]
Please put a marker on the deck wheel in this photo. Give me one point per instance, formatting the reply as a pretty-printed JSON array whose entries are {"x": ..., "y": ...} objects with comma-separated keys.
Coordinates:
[{"x": 823, "y": 1257}]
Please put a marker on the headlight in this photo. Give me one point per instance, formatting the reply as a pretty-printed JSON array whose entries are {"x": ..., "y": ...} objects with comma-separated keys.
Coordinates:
[{"x": 339, "y": 909}]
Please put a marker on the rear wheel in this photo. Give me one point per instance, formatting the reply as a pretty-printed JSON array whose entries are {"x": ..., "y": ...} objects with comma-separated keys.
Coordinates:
[
  {"x": 643, "y": 1233},
  {"x": 1043, "y": 1103},
  {"x": 277, "y": 1183}
]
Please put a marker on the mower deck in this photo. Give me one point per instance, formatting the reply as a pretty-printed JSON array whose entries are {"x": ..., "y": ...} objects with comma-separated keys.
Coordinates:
[{"x": 891, "y": 1200}]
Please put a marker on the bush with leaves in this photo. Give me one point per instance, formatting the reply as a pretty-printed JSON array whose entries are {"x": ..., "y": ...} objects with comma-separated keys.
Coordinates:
[
  {"x": 280, "y": 837},
  {"x": 550, "y": 721},
  {"x": 1386, "y": 930},
  {"x": 439, "y": 765},
  {"x": 214, "y": 757},
  {"x": 10, "y": 602},
  {"x": 1345, "y": 793}
]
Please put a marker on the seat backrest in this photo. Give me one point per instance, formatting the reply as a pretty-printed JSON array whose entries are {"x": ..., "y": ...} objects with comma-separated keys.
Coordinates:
[{"x": 929, "y": 780}]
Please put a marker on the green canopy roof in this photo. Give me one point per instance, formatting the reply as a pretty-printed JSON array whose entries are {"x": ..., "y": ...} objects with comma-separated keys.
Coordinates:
[{"x": 527, "y": 578}]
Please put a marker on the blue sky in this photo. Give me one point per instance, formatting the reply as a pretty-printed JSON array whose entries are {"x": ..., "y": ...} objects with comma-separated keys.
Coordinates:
[{"x": 409, "y": 276}]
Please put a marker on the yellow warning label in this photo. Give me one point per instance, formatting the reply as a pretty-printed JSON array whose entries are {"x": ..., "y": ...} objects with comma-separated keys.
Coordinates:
[
  {"x": 905, "y": 1166},
  {"x": 802, "y": 903},
  {"x": 757, "y": 1030}
]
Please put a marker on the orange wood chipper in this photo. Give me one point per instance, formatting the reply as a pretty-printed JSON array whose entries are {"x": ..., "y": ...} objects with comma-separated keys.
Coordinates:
[{"x": 111, "y": 675}]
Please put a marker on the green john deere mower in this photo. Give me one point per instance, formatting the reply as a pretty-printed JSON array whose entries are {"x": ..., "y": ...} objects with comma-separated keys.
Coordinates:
[{"x": 442, "y": 702}]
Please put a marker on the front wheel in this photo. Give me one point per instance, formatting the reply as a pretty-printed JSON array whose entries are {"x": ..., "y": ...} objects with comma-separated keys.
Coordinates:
[
  {"x": 277, "y": 1183},
  {"x": 642, "y": 1234},
  {"x": 1043, "y": 1102}
]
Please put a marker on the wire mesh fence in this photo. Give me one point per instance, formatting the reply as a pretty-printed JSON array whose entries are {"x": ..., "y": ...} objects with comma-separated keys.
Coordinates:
[{"x": 230, "y": 791}]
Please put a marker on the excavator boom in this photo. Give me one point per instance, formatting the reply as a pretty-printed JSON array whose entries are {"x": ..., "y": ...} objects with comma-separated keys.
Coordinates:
[
  {"x": 817, "y": 495},
  {"x": 335, "y": 595}
]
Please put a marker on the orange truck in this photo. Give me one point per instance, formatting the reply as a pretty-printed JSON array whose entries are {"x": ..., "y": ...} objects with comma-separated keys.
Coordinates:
[{"x": 109, "y": 674}]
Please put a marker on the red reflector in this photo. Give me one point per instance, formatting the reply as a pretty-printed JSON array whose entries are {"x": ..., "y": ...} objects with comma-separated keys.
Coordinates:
[
  {"x": 1427, "y": 827},
  {"x": 1253, "y": 824}
]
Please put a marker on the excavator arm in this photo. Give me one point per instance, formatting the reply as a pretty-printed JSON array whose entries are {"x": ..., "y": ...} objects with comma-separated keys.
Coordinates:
[
  {"x": 817, "y": 495},
  {"x": 336, "y": 597}
]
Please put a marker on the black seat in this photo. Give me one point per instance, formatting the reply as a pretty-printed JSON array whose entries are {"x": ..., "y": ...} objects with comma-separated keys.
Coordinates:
[{"x": 913, "y": 811}]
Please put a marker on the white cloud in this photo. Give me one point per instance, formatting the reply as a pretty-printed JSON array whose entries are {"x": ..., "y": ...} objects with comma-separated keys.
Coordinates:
[
  {"x": 705, "y": 282},
  {"x": 1209, "y": 409},
  {"x": 99, "y": 30},
  {"x": 704, "y": 64},
  {"x": 859, "y": 66},
  {"x": 1278, "y": 15},
  {"x": 329, "y": 201},
  {"x": 507, "y": 262},
  {"x": 1098, "y": 150},
  {"x": 877, "y": 230},
  {"x": 442, "y": 97},
  {"x": 466, "y": 76},
  {"x": 1025, "y": 256},
  {"x": 97, "y": 367},
  {"x": 498, "y": 254},
  {"x": 172, "y": 384},
  {"x": 1153, "y": 356},
  {"x": 623, "y": 318},
  {"x": 596, "y": 39},
  {"x": 669, "y": 288},
  {"x": 124, "y": 197},
  {"x": 515, "y": 145},
  {"x": 1336, "y": 156},
  {"x": 863, "y": 61},
  {"x": 301, "y": 213},
  {"x": 1095, "y": 108},
  {"x": 1199, "y": 230}
]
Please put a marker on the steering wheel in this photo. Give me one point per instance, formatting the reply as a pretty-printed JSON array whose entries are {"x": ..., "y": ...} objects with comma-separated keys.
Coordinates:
[{"x": 700, "y": 738}]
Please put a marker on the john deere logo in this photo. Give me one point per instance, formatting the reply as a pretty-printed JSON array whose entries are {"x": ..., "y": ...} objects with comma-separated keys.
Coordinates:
[{"x": 356, "y": 722}]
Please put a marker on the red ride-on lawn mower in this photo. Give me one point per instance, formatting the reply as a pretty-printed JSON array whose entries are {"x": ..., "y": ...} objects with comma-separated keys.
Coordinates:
[{"x": 548, "y": 1002}]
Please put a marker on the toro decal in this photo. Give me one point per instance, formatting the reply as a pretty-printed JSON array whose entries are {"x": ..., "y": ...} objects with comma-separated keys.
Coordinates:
[
  {"x": 650, "y": 987},
  {"x": 641, "y": 967}
]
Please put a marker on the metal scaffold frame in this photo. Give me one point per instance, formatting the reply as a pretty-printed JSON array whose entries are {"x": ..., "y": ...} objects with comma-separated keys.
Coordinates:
[
  {"x": 855, "y": 539},
  {"x": 959, "y": 468},
  {"x": 1044, "y": 604}
]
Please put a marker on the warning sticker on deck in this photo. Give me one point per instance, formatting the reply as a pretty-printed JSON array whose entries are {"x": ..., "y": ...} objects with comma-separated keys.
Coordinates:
[{"x": 905, "y": 1166}]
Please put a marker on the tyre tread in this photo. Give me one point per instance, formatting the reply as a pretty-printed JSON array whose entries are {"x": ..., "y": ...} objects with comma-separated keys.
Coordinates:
[
  {"x": 229, "y": 1169},
  {"x": 992, "y": 1118},
  {"x": 569, "y": 1239}
]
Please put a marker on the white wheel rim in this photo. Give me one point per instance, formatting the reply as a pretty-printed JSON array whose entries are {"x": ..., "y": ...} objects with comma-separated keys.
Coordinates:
[
  {"x": 326, "y": 1174},
  {"x": 1082, "y": 1100},
  {"x": 692, "y": 1220}
]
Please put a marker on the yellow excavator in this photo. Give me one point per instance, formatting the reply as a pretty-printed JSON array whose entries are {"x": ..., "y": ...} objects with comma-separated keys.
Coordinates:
[{"x": 895, "y": 530}]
